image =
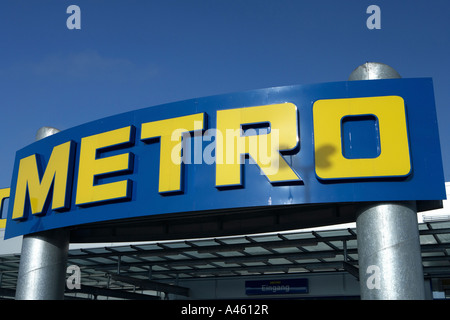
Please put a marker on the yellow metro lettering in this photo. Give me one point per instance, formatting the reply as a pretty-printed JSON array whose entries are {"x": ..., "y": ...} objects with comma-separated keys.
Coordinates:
[
  {"x": 171, "y": 132},
  {"x": 91, "y": 167},
  {"x": 232, "y": 142},
  {"x": 58, "y": 172},
  {"x": 4, "y": 194},
  {"x": 263, "y": 148},
  {"x": 394, "y": 158}
]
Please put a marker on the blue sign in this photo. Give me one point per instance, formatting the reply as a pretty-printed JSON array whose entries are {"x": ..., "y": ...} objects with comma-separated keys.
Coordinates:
[
  {"x": 308, "y": 144},
  {"x": 269, "y": 287}
]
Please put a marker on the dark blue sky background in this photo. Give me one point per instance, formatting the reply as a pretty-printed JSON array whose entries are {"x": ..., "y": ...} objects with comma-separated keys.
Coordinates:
[{"x": 135, "y": 54}]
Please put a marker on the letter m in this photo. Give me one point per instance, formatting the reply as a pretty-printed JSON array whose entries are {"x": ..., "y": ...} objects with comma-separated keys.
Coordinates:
[{"x": 33, "y": 187}]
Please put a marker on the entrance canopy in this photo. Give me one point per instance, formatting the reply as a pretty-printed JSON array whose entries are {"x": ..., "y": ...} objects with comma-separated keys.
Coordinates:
[{"x": 118, "y": 270}]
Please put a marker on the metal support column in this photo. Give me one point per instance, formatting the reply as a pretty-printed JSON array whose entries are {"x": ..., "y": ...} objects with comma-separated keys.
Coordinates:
[
  {"x": 43, "y": 261},
  {"x": 390, "y": 261}
]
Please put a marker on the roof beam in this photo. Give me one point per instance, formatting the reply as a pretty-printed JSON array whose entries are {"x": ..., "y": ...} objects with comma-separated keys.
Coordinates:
[
  {"x": 351, "y": 269},
  {"x": 152, "y": 285},
  {"x": 123, "y": 294}
]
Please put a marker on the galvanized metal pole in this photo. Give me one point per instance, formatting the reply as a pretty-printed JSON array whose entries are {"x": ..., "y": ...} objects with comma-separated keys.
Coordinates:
[
  {"x": 389, "y": 255},
  {"x": 43, "y": 260}
]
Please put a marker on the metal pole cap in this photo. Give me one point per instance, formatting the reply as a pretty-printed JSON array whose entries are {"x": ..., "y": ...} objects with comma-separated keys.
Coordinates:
[
  {"x": 44, "y": 132},
  {"x": 373, "y": 71}
]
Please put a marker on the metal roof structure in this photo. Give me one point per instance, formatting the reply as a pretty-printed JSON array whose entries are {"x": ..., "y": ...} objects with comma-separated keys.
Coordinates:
[{"x": 119, "y": 271}]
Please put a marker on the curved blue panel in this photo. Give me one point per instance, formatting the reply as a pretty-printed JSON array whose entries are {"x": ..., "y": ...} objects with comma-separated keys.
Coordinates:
[{"x": 141, "y": 157}]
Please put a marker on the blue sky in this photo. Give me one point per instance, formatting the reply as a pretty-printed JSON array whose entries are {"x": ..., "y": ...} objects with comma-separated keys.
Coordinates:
[{"x": 134, "y": 54}]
